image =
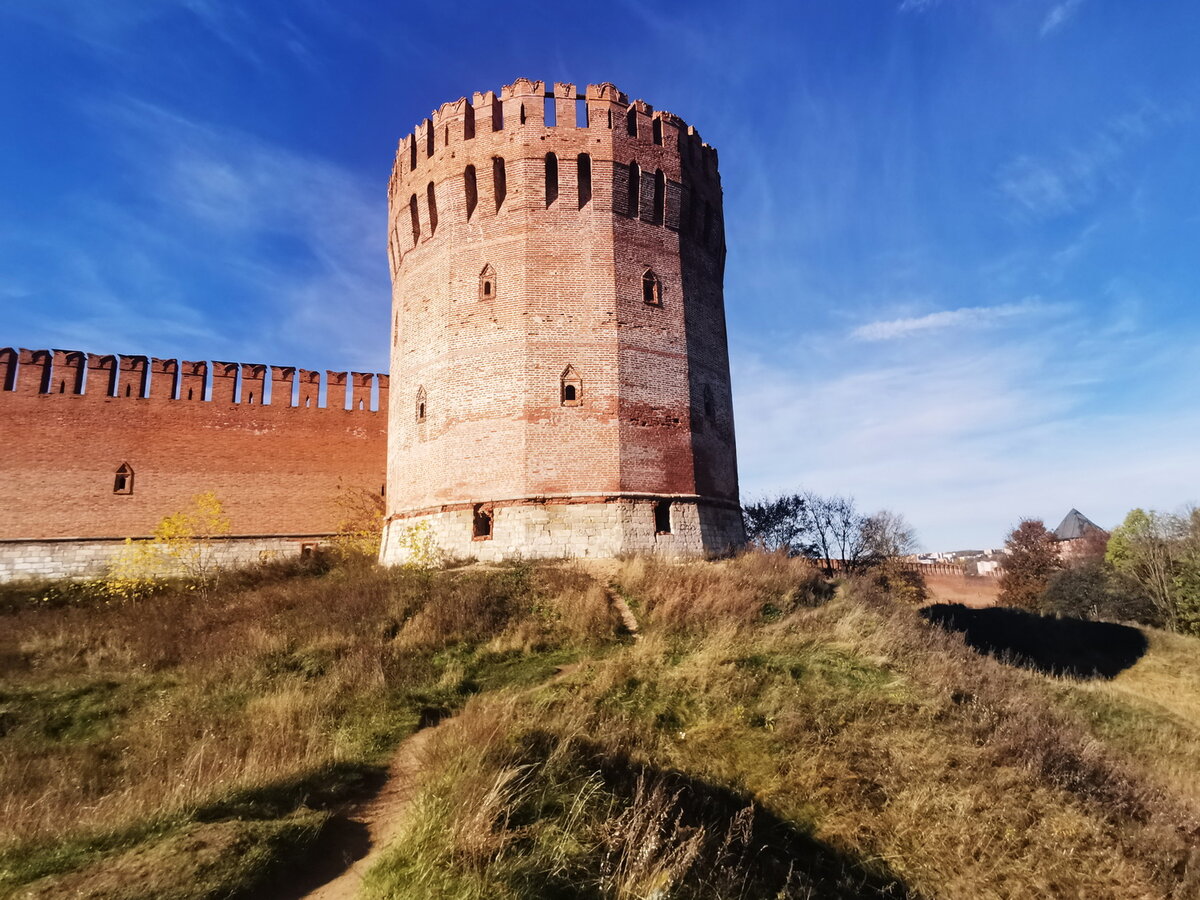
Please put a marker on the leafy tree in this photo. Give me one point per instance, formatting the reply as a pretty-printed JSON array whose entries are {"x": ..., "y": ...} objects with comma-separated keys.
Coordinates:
[
  {"x": 1031, "y": 560},
  {"x": 778, "y": 523},
  {"x": 1145, "y": 549}
]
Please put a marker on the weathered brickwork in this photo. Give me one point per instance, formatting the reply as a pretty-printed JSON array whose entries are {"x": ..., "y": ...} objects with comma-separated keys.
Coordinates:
[
  {"x": 70, "y": 421},
  {"x": 558, "y": 330}
]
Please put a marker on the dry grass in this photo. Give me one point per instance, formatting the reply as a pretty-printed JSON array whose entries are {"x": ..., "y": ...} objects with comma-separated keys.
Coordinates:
[
  {"x": 122, "y": 723},
  {"x": 891, "y": 759}
]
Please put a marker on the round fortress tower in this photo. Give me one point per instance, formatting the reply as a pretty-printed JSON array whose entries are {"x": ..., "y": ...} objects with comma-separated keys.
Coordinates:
[{"x": 559, "y": 367}]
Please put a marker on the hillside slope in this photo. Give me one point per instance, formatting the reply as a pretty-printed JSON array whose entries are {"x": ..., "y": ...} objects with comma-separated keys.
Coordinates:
[{"x": 768, "y": 736}]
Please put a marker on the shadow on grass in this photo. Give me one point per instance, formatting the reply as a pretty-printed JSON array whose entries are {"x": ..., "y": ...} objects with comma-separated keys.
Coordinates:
[
  {"x": 742, "y": 850},
  {"x": 1072, "y": 647}
]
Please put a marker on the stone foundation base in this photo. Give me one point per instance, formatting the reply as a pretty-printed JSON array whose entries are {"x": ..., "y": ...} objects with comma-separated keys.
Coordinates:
[
  {"x": 550, "y": 530},
  {"x": 91, "y": 558}
]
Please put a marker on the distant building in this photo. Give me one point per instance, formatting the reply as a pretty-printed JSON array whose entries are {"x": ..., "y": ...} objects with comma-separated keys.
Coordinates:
[{"x": 1076, "y": 533}]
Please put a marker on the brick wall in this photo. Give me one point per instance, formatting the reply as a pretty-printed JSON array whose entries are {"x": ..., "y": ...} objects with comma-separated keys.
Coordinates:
[
  {"x": 277, "y": 468},
  {"x": 654, "y": 415}
]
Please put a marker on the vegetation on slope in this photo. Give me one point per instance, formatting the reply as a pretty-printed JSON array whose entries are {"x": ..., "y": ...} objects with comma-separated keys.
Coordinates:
[
  {"x": 233, "y": 725},
  {"x": 768, "y": 736}
]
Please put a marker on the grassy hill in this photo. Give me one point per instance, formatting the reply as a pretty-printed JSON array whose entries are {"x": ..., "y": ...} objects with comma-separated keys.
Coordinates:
[{"x": 766, "y": 734}]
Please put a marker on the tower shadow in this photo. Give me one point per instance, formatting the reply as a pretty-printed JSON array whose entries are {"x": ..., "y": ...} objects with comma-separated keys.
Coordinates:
[{"x": 1072, "y": 647}]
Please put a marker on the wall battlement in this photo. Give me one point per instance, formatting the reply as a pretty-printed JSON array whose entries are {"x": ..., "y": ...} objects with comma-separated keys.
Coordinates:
[
  {"x": 497, "y": 155},
  {"x": 74, "y": 373}
]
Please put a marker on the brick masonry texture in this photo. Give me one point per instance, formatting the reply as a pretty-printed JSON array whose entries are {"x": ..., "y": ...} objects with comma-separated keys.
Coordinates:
[
  {"x": 522, "y": 257},
  {"x": 279, "y": 469}
]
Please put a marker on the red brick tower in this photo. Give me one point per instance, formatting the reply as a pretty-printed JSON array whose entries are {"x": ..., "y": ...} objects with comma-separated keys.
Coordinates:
[{"x": 560, "y": 371}]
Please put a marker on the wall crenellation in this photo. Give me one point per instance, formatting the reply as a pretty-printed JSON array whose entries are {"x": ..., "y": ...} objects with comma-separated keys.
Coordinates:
[
  {"x": 74, "y": 373},
  {"x": 520, "y": 108}
]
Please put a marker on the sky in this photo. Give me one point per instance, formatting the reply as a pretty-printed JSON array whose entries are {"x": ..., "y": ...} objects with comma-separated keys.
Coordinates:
[{"x": 963, "y": 251}]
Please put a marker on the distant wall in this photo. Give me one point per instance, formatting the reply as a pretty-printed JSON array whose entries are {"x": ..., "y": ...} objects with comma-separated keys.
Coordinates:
[{"x": 69, "y": 421}]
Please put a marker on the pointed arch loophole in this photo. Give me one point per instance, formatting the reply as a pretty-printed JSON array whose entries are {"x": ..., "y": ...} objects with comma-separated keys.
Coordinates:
[
  {"x": 570, "y": 388},
  {"x": 651, "y": 288},
  {"x": 422, "y": 404},
  {"x": 487, "y": 283},
  {"x": 551, "y": 178},
  {"x": 123, "y": 480}
]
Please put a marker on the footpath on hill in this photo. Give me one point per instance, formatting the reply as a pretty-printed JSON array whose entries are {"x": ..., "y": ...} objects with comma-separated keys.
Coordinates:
[{"x": 354, "y": 840}]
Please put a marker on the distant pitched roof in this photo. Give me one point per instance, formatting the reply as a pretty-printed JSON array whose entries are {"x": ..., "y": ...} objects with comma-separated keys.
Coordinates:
[{"x": 1075, "y": 525}]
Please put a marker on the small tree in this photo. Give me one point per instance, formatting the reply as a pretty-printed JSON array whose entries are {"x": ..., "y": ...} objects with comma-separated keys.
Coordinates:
[
  {"x": 778, "y": 524},
  {"x": 183, "y": 546},
  {"x": 1144, "y": 548},
  {"x": 1032, "y": 559},
  {"x": 360, "y": 523}
]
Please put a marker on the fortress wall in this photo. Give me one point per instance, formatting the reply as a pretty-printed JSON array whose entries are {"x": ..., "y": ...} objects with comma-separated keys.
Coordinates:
[
  {"x": 568, "y": 267},
  {"x": 277, "y": 468}
]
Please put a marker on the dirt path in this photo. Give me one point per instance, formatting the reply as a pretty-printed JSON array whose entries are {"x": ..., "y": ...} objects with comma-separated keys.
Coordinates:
[{"x": 354, "y": 839}]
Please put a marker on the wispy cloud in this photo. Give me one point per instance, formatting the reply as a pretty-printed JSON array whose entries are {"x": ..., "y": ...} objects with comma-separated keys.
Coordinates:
[
  {"x": 1059, "y": 15},
  {"x": 968, "y": 317},
  {"x": 1048, "y": 186},
  {"x": 975, "y": 430},
  {"x": 917, "y": 5}
]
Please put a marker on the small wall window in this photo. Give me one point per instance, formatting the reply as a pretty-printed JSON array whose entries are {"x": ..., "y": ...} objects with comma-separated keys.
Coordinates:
[
  {"x": 710, "y": 406},
  {"x": 662, "y": 517},
  {"x": 551, "y": 178},
  {"x": 481, "y": 523},
  {"x": 499, "y": 182},
  {"x": 431, "y": 202},
  {"x": 415, "y": 215},
  {"x": 631, "y": 121},
  {"x": 412, "y": 153},
  {"x": 651, "y": 289},
  {"x": 469, "y": 123},
  {"x": 470, "y": 190},
  {"x": 585, "y": 179},
  {"x": 660, "y": 197},
  {"x": 422, "y": 402},
  {"x": 657, "y": 131},
  {"x": 635, "y": 189},
  {"x": 487, "y": 283},
  {"x": 428, "y": 138},
  {"x": 123, "y": 482},
  {"x": 571, "y": 388}
]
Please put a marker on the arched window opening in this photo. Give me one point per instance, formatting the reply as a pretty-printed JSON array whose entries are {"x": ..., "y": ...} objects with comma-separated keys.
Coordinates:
[
  {"x": 551, "y": 178},
  {"x": 421, "y": 404},
  {"x": 660, "y": 196},
  {"x": 662, "y": 517},
  {"x": 429, "y": 139},
  {"x": 651, "y": 289},
  {"x": 469, "y": 123},
  {"x": 656, "y": 131},
  {"x": 431, "y": 202},
  {"x": 415, "y": 215},
  {"x": 481, "y": 522},
  {"x": 522, "y": 113},
  {"x": 446, "y": 137},
  {"x": 412, "y": 153},
  {"x": 635, "y": 189},
  {"x": 499, "y": 182},
  {"x": 610, "y": 120},
  {"x": 570, "y": 388},
  {"x": 584, "y": 179},
  {"x": 631, "y": 121},
  {"x": 123, "y": 481},
  {"x": 470, "y": 190},
  {"x": 487, "y": 283}
]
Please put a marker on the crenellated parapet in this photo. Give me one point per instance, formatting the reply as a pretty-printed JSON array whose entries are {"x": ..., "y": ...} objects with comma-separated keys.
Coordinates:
[
  {"x": 73, "y": 373},
  {"x": 528, "y": 149}
]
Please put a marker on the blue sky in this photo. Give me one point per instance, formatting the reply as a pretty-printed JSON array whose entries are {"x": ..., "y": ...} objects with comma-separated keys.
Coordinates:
[{"x": 962, "y": 278}]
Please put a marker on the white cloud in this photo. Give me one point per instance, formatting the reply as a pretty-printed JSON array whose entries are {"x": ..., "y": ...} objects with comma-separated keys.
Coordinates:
[
  {"x": 968, "y": 433},
  {"x": 1059, "y": 15},
  {"x": 1046, "y": 187},
  {"x": 917, "y": 5},
  {"x": 966, "y": 317}
]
